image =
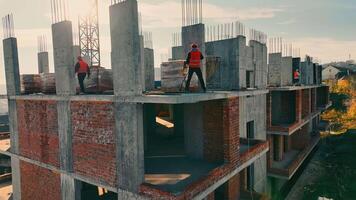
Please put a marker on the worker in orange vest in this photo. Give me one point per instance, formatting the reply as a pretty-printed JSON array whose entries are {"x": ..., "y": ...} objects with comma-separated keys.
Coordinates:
[
  {"x": 296, "y": 76},
  {"x": 82, "y": 70},
  {"x": 194, "y": 61}
]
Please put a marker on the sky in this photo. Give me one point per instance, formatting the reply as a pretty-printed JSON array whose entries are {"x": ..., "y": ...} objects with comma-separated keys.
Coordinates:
[{"x": 324, "y": 29}]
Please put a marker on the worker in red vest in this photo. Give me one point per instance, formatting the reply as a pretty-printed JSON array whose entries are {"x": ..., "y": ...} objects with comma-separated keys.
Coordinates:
[
  {"x": 82, "y": 70},
  {"x": 194, "y": 59},
  {"x": 296, "y": 76}
]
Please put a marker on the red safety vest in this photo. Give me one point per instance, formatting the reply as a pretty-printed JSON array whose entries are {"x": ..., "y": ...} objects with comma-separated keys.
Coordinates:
[
  {"x": 296, "y": 75},
  {"x": 83, "y": 67},
  {"x": 195, "y": 60}
]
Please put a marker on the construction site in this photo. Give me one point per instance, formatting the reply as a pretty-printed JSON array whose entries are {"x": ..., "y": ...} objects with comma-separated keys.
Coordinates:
[{"x": 127, "y": 138}]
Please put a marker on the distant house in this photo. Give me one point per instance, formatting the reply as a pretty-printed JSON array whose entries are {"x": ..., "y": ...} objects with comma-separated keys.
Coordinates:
[{"x": 332, "y": 72}]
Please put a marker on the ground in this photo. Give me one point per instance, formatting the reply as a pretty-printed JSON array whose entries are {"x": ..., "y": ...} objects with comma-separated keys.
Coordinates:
[{"x": 332, "y": 171}]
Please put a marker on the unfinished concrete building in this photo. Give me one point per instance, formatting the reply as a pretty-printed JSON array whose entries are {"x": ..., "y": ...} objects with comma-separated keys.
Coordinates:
[
  {"x": 142, "y": 144},
  {"x": 293, "y": 116}
]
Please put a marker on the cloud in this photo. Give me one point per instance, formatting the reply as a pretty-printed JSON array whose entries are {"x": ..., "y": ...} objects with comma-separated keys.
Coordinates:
[
  {"x": 287, "y": 22},
  {"x": 326, "y": 49},
  {"x": 168, "y": 13}
]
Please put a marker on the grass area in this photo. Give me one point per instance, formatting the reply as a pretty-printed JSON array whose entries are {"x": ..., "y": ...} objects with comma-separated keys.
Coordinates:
[{"x": 337, "y": 157}]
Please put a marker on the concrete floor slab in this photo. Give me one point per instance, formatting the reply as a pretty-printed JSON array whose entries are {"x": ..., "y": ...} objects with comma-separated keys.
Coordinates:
[
  {"x": 174, "y": 174},
  {"x": 289, "y": 157}
]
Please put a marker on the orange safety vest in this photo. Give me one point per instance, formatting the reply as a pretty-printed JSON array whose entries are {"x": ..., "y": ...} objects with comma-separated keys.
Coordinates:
[
  {"x": 83, "y": 67},
  {"x": 296, "y": 75},
  {"x": 195, "y": 60}
]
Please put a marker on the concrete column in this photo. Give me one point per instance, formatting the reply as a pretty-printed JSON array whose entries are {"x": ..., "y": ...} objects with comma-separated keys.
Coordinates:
[
  {"x": 126, "y": 48},
  {"x": 178, "y": 118},
  {"x": 142, "y": 63},
  {"x": 279, "y": 147},
  {"x": 16, "y": 178},
  {"x": 149, "y": 69},
  {"x": 63, "y": 58},
  {"x": 76, "y": 53},
  {"x": 70, "y": 188},
  {"x": 11, "y": 62},
  {"x": 43, "y": 63},
  {"x": 12, "y": 74},
  {"x": 129, "y": 146},
  {"x": 195, "y": 34},
  {"x": 149, "y": 113},
  {"x": 193, "y": 130},
  {"x": 65, "y": 135}
]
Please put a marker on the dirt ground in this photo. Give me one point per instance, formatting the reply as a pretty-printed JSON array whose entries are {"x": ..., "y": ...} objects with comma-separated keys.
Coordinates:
[{"x": 331, "y": 173}]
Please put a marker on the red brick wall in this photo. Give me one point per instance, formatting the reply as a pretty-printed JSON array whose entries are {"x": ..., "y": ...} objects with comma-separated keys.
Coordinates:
[
  {"x": 301, "y": 138},
  {"x": 39, "y": 183},
  {"x": 231, "y": 130},
  {"x": 306, "y": 103},
  {"x": 94, "y": 153},
  {"x": 38, "y": 131},
  {"x": 232, "y": 190},
  {"x": 213, "y": 137},
  {"x": 221, "y": 126}
]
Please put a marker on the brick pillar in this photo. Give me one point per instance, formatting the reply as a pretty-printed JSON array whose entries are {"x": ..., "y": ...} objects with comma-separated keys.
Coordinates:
[
  {"x": 278, "y": 147},
  {"x": 306, "y": 103},
  {"x": 298, "y": 106},
  {"x": 221, "y": 131},
  {"x": 231, "y": 130},
  {"x": 232, "y": 189}
]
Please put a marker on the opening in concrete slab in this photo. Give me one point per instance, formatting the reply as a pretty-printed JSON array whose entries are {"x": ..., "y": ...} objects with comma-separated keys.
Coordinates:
[{"x": 92, "y": 192}]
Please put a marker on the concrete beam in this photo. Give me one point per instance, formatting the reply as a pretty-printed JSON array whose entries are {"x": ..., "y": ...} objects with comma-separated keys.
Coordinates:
[
  {"x": 126, "y": 49},
  {"x": 149, "y": 98},
  {"x": 63, "y": 58},
  {"x": 11, "y": 62}
]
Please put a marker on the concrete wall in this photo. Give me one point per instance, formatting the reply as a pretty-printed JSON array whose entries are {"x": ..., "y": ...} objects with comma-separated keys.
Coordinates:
[
  {"x": 178, "y": 53},
  {"x": 274, "y": 69},
  {"x": 307, "y": 73},
  {"x": 287, "y": 71},
  {"x": 149, "y": 73},
  {"x": 232, "y": 69},
  {"x": 259, "y": 61},
  {"x": 254, "y": 109},
  {"x": 226, "y": 75}
]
